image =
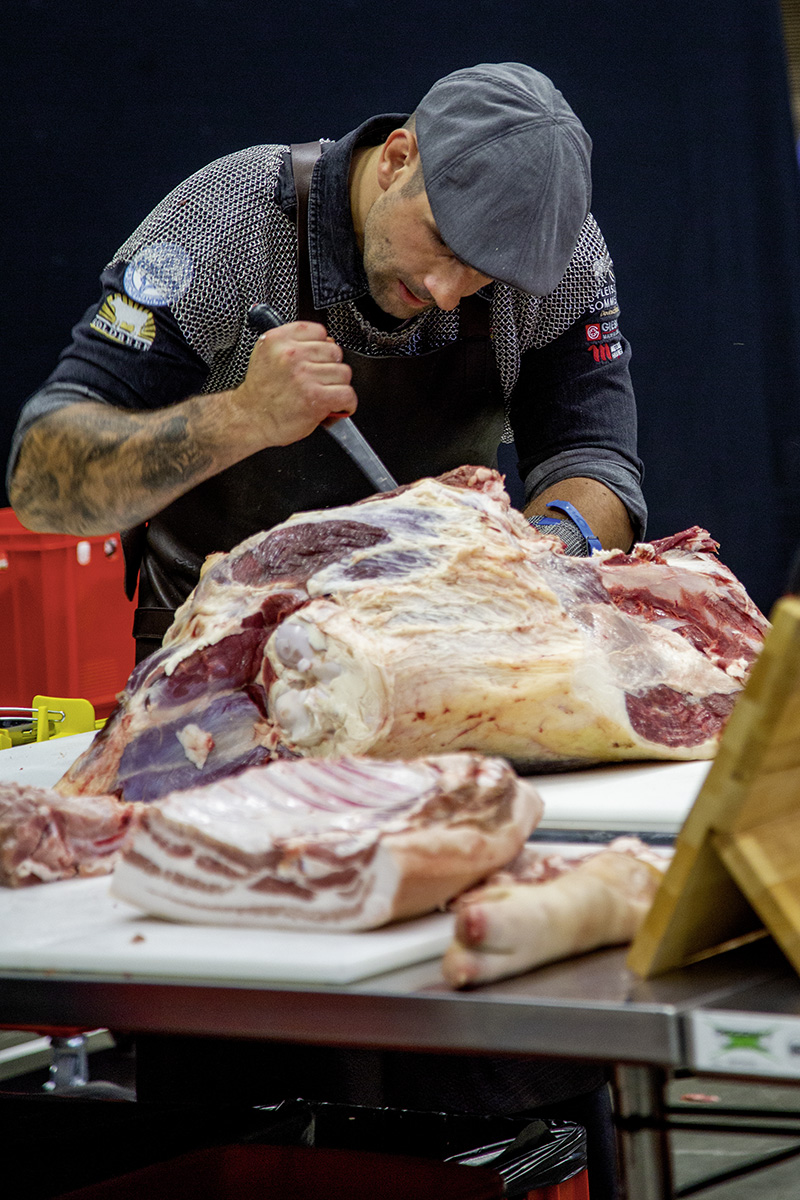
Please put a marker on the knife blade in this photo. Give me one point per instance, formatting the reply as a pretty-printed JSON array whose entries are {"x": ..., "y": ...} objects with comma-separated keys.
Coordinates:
[{"x": 262, "y": 317}]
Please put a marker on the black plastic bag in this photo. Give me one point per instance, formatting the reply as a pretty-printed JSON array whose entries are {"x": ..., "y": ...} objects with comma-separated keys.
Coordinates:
[
  {"x": 542, "y": 1154},
  {"x": 527, "y": 1154}
]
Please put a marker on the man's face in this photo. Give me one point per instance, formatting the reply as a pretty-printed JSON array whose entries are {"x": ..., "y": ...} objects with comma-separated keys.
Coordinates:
[{"x": 408, "y": 266}]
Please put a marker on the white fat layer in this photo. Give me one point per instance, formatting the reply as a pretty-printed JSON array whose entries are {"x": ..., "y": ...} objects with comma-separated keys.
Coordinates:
[
  {"x": 344, "y": 802},
  {"x": 30, "y": 867},
  {"x": 197, "y": 744},
  {"x": 203, "y": 619},
  {"x": 305, "y": 889},
  {"x": 235, "y": 902},
  {"x": 545, "y": 686},
  {"x": 207, "y": 854}
]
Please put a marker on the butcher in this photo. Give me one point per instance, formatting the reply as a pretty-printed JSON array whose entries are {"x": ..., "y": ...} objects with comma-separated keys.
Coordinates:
[
  {"x": 441, "y": 276},
  {"x": 453, "y": 288}
]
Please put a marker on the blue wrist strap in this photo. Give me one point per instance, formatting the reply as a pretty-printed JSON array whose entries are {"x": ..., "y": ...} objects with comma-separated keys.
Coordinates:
[{"x": 576, "y": 518}]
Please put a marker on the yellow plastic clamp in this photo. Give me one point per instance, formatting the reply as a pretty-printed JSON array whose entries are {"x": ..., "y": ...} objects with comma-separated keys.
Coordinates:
[{"x": 58, "y": 716}]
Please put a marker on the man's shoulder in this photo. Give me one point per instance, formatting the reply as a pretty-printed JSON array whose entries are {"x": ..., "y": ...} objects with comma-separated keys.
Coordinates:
[
  {"x": 590, "y": 263},
  {"x": 208, "y": 214},
  {"x": 249, "y": 167}
]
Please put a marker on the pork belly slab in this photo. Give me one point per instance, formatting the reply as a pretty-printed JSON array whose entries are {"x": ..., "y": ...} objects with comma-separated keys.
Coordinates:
[
  {"x": 45, "y": 836},
  {"x": 348, "y": 844},
  {"x": 544, "y": 907},
  {"x": 428, "y": 620}
]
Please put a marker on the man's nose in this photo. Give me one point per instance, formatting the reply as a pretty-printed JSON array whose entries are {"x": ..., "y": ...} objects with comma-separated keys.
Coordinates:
[{"x": 451, "y": 281}]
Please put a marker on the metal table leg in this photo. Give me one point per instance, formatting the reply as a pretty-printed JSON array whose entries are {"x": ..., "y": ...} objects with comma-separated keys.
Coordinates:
[
  {"x": 70, "y": 1066},
  {"x": 642, "y": 1136}
]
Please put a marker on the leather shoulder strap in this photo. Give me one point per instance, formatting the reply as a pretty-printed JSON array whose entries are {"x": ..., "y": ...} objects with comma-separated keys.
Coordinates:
[{"x": 304, "y": 155}]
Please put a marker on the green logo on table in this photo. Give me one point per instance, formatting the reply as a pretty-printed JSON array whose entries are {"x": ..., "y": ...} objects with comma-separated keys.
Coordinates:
[{"x": 744, "y": 1039}]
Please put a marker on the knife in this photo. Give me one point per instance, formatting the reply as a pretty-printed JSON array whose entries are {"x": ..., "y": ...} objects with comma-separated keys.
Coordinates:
[{"x": 262, "y": 317}]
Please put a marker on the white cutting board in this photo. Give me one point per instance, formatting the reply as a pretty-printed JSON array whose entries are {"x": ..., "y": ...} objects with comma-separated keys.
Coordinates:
[
  {"x": 41, "y": 764},
  {"x": 652, "y": 797},
  {"x": 77, "y": 929}
]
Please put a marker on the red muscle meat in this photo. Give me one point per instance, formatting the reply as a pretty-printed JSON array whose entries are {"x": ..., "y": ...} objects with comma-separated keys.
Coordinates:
[
  {"x": 45, "y": 836},
  {"x": 427, "y": 620}
]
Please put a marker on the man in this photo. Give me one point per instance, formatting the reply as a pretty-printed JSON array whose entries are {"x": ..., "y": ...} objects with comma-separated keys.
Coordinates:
[
  {"x": 167, "y": 409},
  {"x": 453, "y": 289}
]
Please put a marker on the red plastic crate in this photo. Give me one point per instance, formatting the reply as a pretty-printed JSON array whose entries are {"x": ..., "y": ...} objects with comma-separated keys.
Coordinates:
[
  {"x": 255, "y": 1172},
  {"x": 65, "y": 622},
  {"x": 576, "y": 1188}
]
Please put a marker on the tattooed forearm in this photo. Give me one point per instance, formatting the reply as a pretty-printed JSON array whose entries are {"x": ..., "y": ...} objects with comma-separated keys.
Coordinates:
[
  {"x": 176, "y": 460},
  {"x": 91, "y": 468}
]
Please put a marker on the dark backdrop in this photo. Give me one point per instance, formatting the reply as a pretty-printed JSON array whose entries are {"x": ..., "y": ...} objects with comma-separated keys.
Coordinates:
[{"x": 109, "y": 105}]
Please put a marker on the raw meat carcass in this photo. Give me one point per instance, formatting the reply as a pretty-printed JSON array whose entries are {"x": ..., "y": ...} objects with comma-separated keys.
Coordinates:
[
  {"x": 345, "y": 844},
  {"x": 545, "y": 907},
  {"x": 45, "y": 836},
  {"x": 425, "y": 620}
]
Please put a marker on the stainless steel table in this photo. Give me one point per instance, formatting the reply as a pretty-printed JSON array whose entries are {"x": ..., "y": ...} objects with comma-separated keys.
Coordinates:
[{"x": 589, "y": 1008}]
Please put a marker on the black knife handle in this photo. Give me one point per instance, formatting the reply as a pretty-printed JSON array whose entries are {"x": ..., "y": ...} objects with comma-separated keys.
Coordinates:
[{"x": 262, "y": 317}]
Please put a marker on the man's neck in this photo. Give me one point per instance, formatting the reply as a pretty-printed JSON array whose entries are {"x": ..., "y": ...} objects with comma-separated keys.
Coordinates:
[{"x": 363, "y": 186}]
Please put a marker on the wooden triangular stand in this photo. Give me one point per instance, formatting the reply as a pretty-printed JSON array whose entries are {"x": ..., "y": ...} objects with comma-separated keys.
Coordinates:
[{"x": 737, "y": 859}]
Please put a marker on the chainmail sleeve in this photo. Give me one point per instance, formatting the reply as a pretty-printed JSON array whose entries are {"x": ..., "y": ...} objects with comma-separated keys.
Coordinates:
[
  {"x": 242, "y": 250},
  {"x": 522, "y": 322}
]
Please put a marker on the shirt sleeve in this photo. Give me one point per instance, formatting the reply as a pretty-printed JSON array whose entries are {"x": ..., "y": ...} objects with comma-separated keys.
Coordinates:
[
  {"x": 573, "y": 413},
  {"x": 123, "y": 353}
]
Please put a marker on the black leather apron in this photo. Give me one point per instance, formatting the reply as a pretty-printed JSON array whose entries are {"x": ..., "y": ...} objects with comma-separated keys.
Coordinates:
[{"x": 424, "y": 415}]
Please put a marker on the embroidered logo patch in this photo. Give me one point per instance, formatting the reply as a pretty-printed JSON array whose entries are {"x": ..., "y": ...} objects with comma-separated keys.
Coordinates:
[
  {"x": 158, "y": 274},
  {"x": 123, "y": 321},
  {"x": 605, "y": 297},
  {"x": 602, "y": 338},
  {"x": 603, "y": 266},
  {"x": 605, "y": 351}
]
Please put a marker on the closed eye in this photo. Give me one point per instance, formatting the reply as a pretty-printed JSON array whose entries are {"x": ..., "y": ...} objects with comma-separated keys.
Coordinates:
[
  {"x": 438, "y": 239},
  {"x": 443, "y": 247}
]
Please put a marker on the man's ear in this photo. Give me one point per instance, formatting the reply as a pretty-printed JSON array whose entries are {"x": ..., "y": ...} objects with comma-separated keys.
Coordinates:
[{"x": 398, "y": 158}]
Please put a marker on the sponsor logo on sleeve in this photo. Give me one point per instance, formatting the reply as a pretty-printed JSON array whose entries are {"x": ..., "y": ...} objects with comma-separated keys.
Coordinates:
[
  {"x": 604, "y": 304},
  {"x": 602, "y": 339},
  {"x": 602, "y": 267},
  {"x": 158, "y": 274},
  {"x": 606, "y": 352},
  {"x": 119, "y": 319}
]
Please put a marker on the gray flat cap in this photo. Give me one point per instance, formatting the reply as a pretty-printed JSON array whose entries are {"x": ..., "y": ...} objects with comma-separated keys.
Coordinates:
[{"x": 506, "y": 168}]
